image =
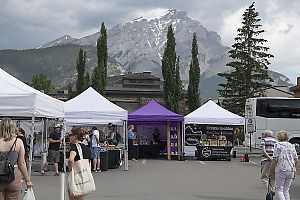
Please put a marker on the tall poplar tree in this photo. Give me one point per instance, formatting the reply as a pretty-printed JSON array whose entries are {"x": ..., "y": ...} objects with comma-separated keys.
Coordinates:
[
  {"x": 250, "y": 64},
  {"x": 194, "y": 78},
  {"x": 87, "y": 83},
  {"x": 171, "y": 74},
  {"x": 102, "y": 59},
  {"x": 80, "y": 66}
]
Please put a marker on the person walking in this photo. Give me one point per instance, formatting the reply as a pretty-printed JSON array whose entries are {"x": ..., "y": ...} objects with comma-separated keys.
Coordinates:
[
  {"x": 131, "y": 152},
  {"x": 285, "y": 163},
  {"x": 8, "y": 141},
  {"x": 53, "y": 150},
  {"x": 95, "y": 150},
  {"x": 267, "y": 147},
  {"x": 76, "y": 137}
]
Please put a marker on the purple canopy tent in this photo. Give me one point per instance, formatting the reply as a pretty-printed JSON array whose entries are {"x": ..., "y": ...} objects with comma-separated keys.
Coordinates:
[{"x": 153, "y": 114}]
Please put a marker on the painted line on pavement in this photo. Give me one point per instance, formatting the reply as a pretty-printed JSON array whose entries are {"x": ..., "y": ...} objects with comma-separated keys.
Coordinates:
[
  {"x": 253, "y": 162},
  {"x": 203, "y": 163}
]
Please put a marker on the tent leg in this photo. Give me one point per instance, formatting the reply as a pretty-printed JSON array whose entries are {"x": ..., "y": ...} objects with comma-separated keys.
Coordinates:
[
  {"x": 126, "y": 146},
  {"x": 31, "y": 146}
]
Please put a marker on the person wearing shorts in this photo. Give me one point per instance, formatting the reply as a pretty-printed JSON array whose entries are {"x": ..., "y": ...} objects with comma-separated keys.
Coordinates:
[
  {"x": 95, "y": 153},
  {"x": 53, "y": 150}
]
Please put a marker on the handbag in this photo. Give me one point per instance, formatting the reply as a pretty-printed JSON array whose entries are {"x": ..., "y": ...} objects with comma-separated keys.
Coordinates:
[
  {"x": 269, "y": 195},
  {"x": 7, "y": 170},
  {"x": 29, "y": 194},
  {"x": 81, "y": 181}
]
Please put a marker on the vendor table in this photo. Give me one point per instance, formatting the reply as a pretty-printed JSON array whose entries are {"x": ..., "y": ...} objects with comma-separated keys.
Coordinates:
[
  {"x": 133, "y": 151},
  {"x": 214, "y": 152},
  {"x": 103, "y": 160},
  {"x": 113, "y": 158},
  {"x": 149, "y": 151}
]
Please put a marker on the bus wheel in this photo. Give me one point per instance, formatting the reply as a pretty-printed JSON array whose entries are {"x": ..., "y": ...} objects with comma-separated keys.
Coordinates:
[{"x": 296, "y": 142}]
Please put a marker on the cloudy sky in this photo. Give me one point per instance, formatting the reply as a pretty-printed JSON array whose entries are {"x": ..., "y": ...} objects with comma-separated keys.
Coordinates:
[{"x": 26, "y": 24}]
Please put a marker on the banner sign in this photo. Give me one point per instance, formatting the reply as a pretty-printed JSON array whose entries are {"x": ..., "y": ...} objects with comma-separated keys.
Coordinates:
[
  {"x": 194, "y": 133},
  {"x": 213, "y": 152}
]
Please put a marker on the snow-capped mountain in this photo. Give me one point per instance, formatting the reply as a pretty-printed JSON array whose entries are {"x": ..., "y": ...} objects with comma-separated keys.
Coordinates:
[
  {"x": 138, "y": 45},
  {"x": 66, "y": 39}
]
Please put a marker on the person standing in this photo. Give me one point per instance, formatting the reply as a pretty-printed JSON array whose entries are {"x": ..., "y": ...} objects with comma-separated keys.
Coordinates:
[
  {"x": 267, "y": 147},
  {"x": 111, "y": 137},
  {"x": 76, "y": 137},
  {"x": 53, "y": 150},
  {"x": 12, "y": 191},
  {"x": 131, "y": 152},
  {"x": 21, "y": 135},
  {"x": 285, "y": 163},
  {"x": 95, "y": 150}
]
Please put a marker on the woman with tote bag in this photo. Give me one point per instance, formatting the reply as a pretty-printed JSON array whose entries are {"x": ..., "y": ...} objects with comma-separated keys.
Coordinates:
[{"x": 80, "y": 180}]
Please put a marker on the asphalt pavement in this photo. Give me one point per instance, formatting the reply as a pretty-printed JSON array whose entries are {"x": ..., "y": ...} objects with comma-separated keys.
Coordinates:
[{"x": 172, "y": 180}]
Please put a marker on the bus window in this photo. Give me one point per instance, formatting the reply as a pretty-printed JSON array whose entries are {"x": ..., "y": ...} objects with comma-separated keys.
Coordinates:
[{"x": 278, "y": 108}]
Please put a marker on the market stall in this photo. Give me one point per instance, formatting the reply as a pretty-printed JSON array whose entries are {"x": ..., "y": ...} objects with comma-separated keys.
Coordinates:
[
  {"x": 210, "y": 130},
  {"x": 92, "y": 109},
  {"x": 154, "y": 117}
]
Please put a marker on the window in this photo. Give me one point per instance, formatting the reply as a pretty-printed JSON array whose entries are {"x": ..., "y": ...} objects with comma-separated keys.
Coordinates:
[{"x": 278, "y": 108}]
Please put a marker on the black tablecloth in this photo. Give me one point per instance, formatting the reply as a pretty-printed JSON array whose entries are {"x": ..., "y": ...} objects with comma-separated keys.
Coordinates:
[
  {"x": 103, "y": 160},
  {"x": 214, "y": 152},
  {"x": 149, "y": 151},
  {"x": 113, "y": 158}
]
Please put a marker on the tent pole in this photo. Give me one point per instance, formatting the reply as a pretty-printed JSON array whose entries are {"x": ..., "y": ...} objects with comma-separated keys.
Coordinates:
[
  {"x": 43, "y": 129},
  {"x": 126, "y": 145},
  {"x": 183, "y": 139},
  {"x": 31, "y": 146}
]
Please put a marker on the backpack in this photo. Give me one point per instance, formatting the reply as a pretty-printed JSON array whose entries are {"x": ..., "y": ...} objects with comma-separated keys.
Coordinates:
[
  {"x": 7, "y": 170},
  {"x": 118, "y": 136}
]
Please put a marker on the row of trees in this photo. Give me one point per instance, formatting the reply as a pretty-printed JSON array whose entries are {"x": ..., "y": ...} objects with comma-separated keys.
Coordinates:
[
  {"x": 99, "y": 75},
  {"x": 171, "y": 74}
]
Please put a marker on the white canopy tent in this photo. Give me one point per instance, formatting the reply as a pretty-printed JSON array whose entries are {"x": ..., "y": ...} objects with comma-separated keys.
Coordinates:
[
  {"x": 17, "y": 99},
  {"x": 20, "y": 100},
  {"x": 90, "y": 109},
  {"x": 211, "y": 113}
]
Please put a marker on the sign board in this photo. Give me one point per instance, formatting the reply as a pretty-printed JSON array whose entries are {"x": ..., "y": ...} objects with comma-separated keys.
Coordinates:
[
  {"x": 250, "y": 125},
  {"x": 213, "y": 152}
]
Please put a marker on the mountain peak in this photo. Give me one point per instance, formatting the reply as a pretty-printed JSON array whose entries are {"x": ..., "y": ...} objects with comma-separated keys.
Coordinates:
[{"x": 59, "y": 41}]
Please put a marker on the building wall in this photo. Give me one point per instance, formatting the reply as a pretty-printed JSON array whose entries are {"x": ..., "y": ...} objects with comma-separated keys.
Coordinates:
[{"x": 276, "y": 93}]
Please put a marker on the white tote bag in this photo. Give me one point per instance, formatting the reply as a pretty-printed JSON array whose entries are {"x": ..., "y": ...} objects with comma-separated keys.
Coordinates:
[{"x": 81, "y": 181}]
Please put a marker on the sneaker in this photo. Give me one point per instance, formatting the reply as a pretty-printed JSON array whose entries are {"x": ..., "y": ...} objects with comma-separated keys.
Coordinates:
[
  {"x": 133, "y": 159},
  {"x": 98, "y": 170},
  {"x": 94, "y": 170},
  {"x": 42, "y": 172},
  {"x": 56, "y": 174}
]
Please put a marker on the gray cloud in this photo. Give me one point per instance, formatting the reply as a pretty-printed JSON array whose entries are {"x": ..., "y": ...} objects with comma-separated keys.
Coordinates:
[{"x": 30, "y": 23}]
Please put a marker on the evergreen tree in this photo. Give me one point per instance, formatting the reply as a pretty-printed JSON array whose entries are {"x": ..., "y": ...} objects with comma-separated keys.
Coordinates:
[
  {"x": 96, "y": 79},
  {"x": 41, "y": 83},
  {"x": 194, "y": 78},
  {"x": 70, "y": 91},
  {"x": 171, "y": 74},
  {"x": 87, "y": 83},
  {"x": 102, "y": 59},
  {"x": 80, "y": 66},
  {"x": 178, "y": 87},
  {"x": 250, "y": 64}
]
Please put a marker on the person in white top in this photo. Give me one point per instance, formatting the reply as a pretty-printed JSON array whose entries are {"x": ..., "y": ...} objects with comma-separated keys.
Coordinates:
[
  {"x": 285, "y": 163},
  {"x": 95, "y": 150}
]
